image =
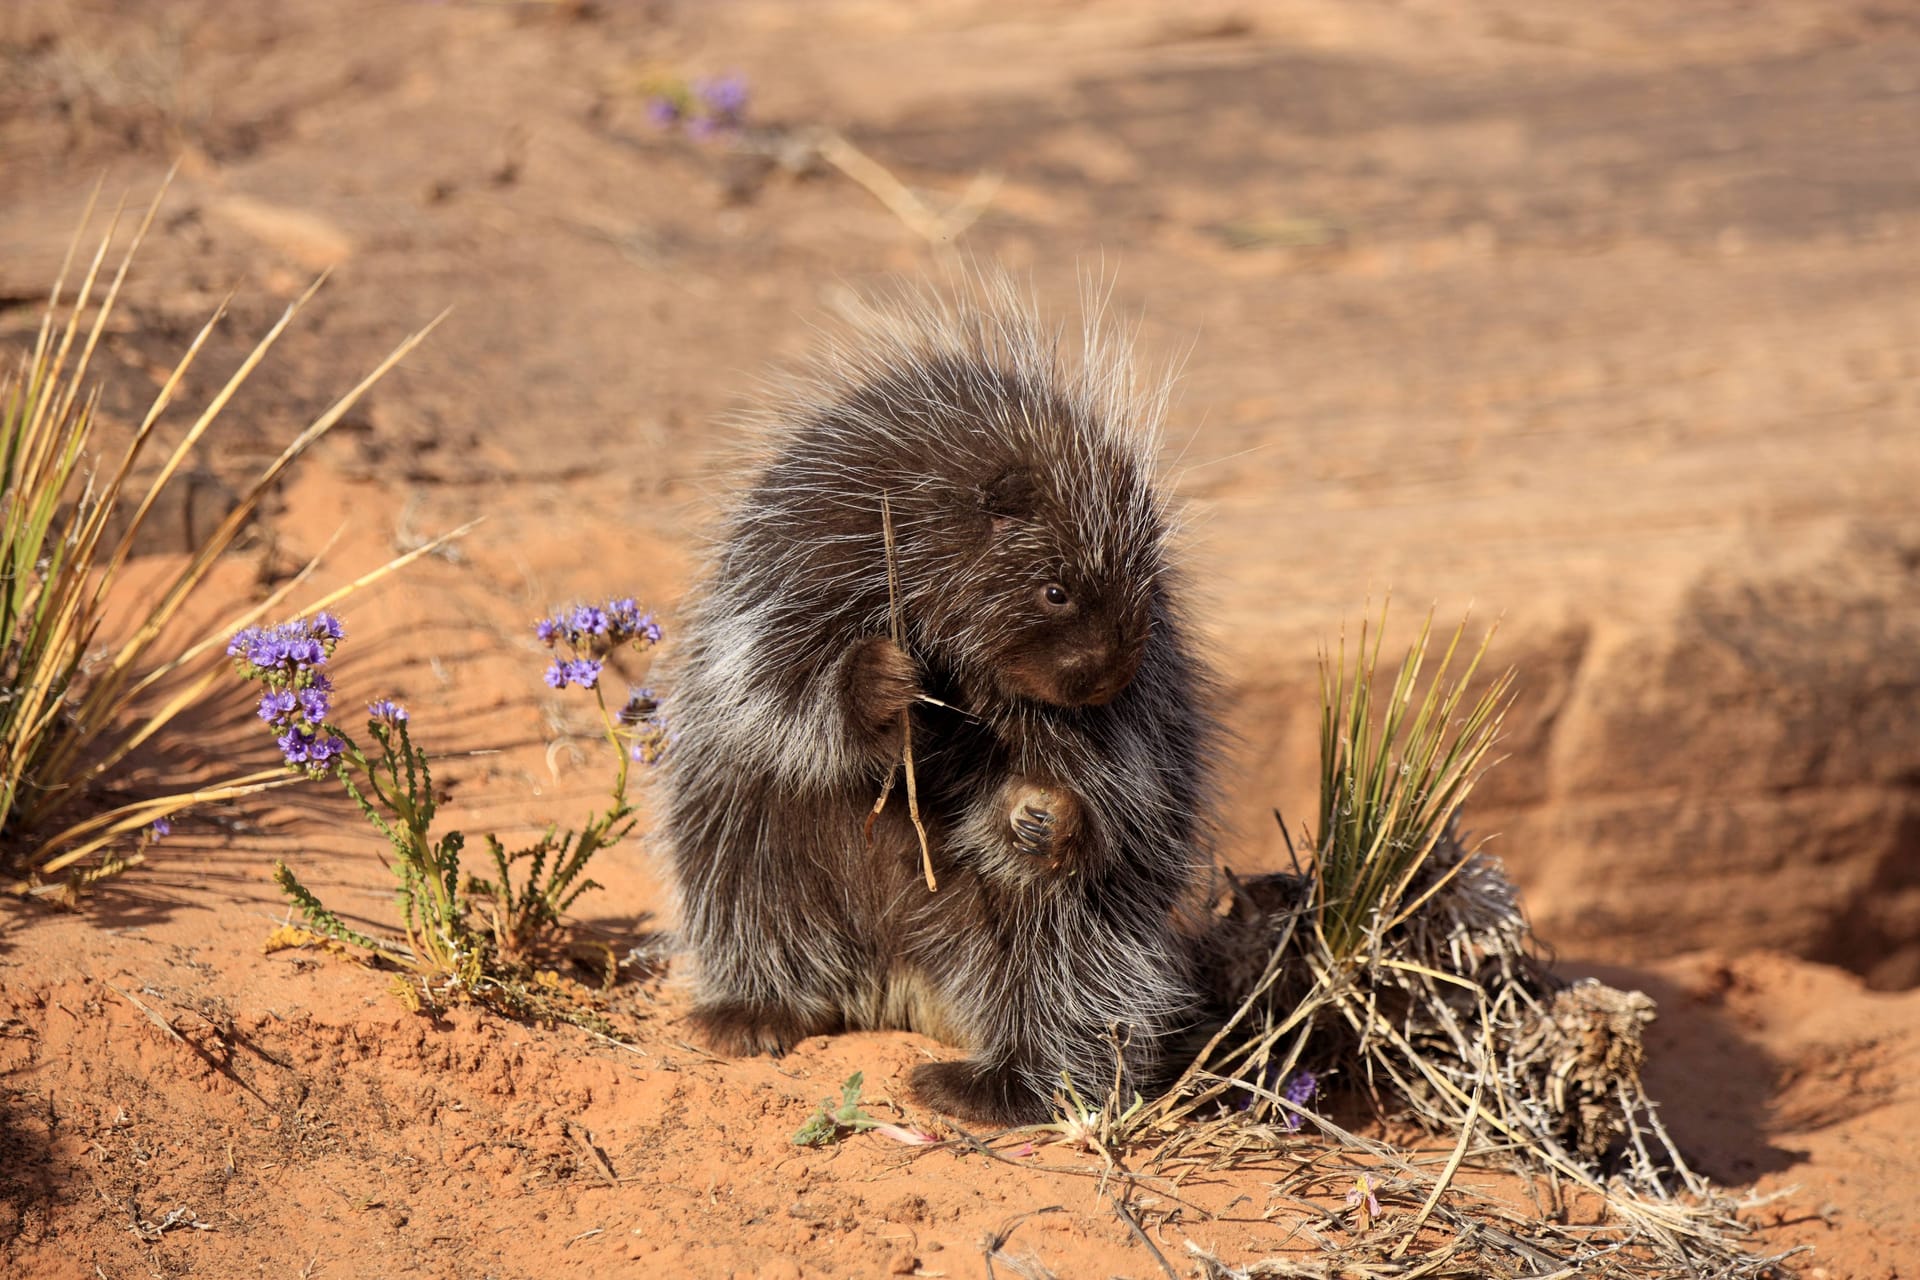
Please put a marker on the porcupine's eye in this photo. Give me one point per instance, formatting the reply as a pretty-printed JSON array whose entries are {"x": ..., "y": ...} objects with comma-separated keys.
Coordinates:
[{"x": 1056, "y": 596}]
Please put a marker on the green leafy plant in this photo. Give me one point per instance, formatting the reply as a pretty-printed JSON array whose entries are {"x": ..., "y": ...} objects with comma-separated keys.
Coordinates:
[
  {"x": 79, "y": 700},
  {"x": 830, "y": 1123},
  {"x": 466, "y": 939}
]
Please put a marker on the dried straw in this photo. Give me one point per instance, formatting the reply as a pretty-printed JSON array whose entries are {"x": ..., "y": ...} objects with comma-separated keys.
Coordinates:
[{"x": 898, "y": 629}]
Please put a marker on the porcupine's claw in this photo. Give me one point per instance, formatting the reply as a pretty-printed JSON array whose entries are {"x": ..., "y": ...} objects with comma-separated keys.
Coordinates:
[{"x": 1033, "y": 830}]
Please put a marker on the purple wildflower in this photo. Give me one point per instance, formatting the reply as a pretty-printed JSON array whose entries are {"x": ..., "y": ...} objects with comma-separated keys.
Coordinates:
[
  {"x": 584, "y": 672},
  {"x": 629, "y": 623},
  {"x": 259, "y": 648},
  {"x": 663, "y": 112},
  {"x": 547, "y": 629},
  {"x": 557, "y": 673},
  {"x": 1363, "y": 1194},
  {"x": 293, "y": 745},
  {"x": 322, "y": 750},
  {"x": 388, "y": 710},
  {"x": 1299, "y": 1091},
  {"x": 276, "y": 705},
  {"x": 725, "y": 97},
  {"x": 291, "y": 645},
  {"x": 588, "y": 621},
  {"x": 159, "y": 830},
  {"x": 313, "y": 704}
]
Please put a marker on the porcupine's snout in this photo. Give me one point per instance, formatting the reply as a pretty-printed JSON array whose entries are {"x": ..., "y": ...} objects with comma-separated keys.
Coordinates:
[{"x": 1097, "y": 675}]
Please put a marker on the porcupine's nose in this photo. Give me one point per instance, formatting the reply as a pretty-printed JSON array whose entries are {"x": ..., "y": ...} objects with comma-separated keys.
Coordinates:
[{"x": 1106, "y": 673}]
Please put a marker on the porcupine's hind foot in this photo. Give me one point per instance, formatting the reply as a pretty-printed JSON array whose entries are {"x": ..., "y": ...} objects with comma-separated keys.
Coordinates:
[
  {"x": 1043, "y": 820},
  {"x": 741, "y": 1030},
  {"x": 974, "y": 1091}
]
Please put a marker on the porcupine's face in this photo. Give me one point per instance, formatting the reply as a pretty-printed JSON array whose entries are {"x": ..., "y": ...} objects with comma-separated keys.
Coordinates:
[{"x": 1068, "y": 586}]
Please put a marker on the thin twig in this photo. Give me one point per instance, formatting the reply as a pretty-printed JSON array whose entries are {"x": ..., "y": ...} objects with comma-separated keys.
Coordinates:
[
  {"x": 143, "y": 1007},
  {"x": 899, "y": 627},
  {"x": 893, "y": 193},
  {"x": 1133, "y": 1225},
  {"x": 1453, "y": 1166}
]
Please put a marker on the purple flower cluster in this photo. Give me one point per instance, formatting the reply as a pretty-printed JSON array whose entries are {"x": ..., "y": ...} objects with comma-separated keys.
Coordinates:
[
  {"x": 584, "y": 672},
  {"x": 1299, "y": 1091},
  {"x": 598, "y": 629},
  {"x": 386, "y": 711},
  {"x": 712, "y": 106},
  {"x": 298, "y": 696},
  {"x": 287, "y": 647},
  {"x": 587, "y": 634},
  {"x": 591, "y": 632}
]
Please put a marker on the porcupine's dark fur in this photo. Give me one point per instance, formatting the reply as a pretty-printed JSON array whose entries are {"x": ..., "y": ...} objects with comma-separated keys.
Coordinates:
[{"x": 1066, "y": 783}]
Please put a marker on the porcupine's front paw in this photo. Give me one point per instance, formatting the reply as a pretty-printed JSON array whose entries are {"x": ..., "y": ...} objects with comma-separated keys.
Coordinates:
[
  {"x": 740, "y": 1030},
  {"x": 1044, "y": 820},
  {"x": 978, "y": 1093},
  {"x": 881, "y": 683}
]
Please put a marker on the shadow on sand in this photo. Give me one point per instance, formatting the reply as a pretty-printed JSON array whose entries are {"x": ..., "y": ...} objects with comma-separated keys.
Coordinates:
[{"x": 26, "y": 1167}]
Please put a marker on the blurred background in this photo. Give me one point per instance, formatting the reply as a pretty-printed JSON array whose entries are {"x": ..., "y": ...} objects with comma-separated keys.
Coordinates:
[{"x": 1603, "y": 320}]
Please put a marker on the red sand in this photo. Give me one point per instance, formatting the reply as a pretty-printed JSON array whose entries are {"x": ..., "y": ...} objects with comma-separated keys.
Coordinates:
[{"x": 1606, "y": 322}]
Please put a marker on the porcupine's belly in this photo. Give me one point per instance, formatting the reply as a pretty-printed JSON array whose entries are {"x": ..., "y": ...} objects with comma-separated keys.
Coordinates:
[{"x": 903, "y": 1000}]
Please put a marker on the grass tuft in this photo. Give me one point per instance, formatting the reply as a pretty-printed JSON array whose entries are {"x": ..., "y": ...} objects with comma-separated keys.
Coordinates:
[
  {"x": 1392, "y": 781},
  {"x": 79, "y": 701},
  {"x": 1396, "y": 972}
]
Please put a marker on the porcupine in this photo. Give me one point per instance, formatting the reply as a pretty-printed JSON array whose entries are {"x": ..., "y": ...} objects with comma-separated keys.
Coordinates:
[{"x": 1062, "y": 735}]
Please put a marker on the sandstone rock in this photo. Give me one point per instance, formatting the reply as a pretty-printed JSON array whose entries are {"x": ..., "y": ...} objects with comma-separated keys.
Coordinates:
[{"x": 1744, "y": 771}]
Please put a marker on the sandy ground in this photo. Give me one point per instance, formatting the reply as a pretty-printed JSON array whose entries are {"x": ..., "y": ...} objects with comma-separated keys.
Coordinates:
[{"x": 1607, "y": 323}]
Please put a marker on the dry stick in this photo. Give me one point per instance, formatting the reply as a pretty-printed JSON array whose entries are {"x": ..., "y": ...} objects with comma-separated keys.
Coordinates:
[
  {"x": 893, "y": 193},
  {"x": 1140, "y": 1234},
  {"x": 1453, "y": 1167},
  {"x": 898, "y": 625},
  {"x": 1156, "y": 1183},
  {"x": 152, "y": 1016},
  {"x": 583, "y": 1142}
]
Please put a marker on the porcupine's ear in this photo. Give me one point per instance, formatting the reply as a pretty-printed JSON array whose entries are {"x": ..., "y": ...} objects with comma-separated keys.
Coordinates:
[{"x": 1010, "y": 497}]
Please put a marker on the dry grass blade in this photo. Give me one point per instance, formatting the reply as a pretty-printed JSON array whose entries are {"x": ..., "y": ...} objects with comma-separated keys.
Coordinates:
[
  {"x": 897, "y": 621},
  {"x": 108, "y": 826},
  {"x": 108, "y": 688},
  {"x": 67, "y": 720},
  {"x": 1446, "y": 1175},
  {"x": 1402, "y": 964},
  {"x": 936, "y": 228}
]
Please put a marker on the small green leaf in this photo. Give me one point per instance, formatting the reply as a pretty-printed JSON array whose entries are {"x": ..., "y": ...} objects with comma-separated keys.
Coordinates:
[{"x": 826, "y": 1127}]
